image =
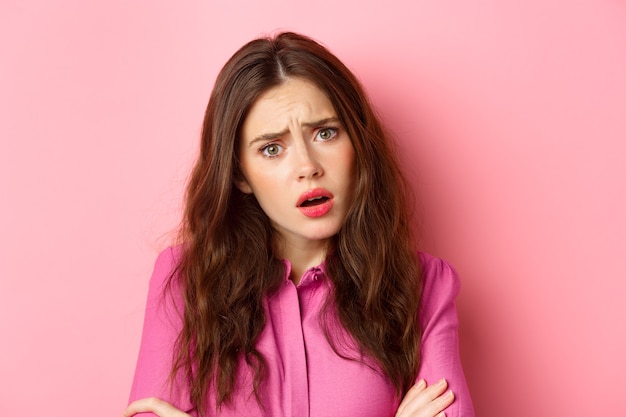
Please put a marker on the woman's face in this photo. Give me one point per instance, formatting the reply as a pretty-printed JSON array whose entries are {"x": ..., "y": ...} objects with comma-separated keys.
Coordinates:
[{"x": 298, "y": 161}]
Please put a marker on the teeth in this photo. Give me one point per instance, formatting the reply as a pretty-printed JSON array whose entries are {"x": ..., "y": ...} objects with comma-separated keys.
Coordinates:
[{"x": 315, "y": 198}]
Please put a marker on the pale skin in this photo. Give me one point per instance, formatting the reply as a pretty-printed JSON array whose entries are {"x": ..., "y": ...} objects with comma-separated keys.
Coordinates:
[{"x": 292, "y": 142}]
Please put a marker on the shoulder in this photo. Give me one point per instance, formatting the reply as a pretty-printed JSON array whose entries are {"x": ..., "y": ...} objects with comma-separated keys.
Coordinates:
[
  {"x": 440, "y": 344},
  {"x": 168, "y": 258},
  {"x": 163, "y": 322},
  {"x": 165, "y": 265},
  {"x": 440, "y": 283},
  {"x": 165, "y": 291}
]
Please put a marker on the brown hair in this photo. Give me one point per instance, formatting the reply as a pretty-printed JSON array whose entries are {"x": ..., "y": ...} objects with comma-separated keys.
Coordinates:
[{"x": 227, "y": 268}]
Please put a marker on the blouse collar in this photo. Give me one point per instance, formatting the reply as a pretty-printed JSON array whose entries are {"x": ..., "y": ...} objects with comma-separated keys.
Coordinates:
[{"x": 311, "y": 276}]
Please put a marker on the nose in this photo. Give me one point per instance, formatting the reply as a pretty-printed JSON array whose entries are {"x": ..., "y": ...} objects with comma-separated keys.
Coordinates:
[{"x": 308, "y": 165}]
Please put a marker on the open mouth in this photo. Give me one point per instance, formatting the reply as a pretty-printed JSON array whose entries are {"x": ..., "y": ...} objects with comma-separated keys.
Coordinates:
[{"x": 315, "y": 201}]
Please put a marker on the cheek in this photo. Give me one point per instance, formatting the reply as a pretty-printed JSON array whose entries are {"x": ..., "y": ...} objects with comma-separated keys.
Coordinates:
[
  {"x": 350, "y": 164},
  {"x": 352, "y": 173},
  {"x": 263, "y": 184}
]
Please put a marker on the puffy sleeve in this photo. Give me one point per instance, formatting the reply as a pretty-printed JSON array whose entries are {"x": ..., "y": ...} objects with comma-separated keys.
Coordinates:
[
  {"x": 440, "y": 344},
  {"x": 162, "y": 324}
]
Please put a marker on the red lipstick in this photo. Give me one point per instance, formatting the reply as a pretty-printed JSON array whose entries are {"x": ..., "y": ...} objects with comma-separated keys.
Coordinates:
[{"x": 315, "y": 203}]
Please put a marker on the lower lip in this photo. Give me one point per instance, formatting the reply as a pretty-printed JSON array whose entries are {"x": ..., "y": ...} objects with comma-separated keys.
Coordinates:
[{"x": 318, "y": 210}]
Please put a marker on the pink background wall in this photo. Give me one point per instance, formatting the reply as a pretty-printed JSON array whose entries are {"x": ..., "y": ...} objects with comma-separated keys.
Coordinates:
[{"x": 511, "y": 117}]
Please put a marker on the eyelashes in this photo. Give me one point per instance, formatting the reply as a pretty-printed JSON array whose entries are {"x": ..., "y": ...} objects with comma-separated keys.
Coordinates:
[
  {"x": 271, "y": 150},
  {"x": 323, "y": 134},
  {"x": 326, "y": 133}
]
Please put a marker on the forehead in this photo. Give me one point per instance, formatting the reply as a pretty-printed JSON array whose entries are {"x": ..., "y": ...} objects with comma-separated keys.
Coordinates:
[{"x": 293, "y": 102}]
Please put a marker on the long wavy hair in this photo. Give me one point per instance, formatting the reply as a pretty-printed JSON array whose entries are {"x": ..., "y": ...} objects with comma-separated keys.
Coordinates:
[{"x": 227, "y": 268}]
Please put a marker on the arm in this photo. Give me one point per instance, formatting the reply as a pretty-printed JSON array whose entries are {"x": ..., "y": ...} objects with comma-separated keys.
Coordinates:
[
  {"x": 426, "y": 401},
  {"x": 162, "y": 323},
  {"x": 440, "y": 345},
  {"x": 155, "y": 406}
]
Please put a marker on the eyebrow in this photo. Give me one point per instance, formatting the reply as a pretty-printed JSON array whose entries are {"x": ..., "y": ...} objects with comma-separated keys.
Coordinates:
[{"x": 271, "y": 136}]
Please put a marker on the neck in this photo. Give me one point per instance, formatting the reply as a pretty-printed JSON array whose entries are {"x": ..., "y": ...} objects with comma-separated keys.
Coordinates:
[{"x": 302, "y": 256}]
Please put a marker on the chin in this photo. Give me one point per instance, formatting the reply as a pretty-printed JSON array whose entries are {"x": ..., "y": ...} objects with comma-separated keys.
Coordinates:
[{"x": 323, "y": 234}]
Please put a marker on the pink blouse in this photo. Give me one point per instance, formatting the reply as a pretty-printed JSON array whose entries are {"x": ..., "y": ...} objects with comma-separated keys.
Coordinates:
[{"x": 305, "y": 377}]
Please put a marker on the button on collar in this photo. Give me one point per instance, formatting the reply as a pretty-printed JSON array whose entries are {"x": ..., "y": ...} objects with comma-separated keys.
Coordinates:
[{"x": 312, "y": 276}]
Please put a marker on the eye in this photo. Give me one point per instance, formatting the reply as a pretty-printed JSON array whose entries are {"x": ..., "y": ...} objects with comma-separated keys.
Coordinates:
[
  {"x": 327, "y": 133},
  {"x": 271, "y": 150}
]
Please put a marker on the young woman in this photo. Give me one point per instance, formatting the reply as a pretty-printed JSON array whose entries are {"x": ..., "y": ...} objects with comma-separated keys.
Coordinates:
[{"x": 296, "y": 289}]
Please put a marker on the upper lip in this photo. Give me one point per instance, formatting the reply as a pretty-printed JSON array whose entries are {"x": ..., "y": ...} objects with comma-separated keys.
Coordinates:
[{"x": 316, "y": 192}]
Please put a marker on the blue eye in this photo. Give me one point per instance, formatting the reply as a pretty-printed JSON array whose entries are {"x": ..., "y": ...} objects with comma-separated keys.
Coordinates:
[
  {"x": 271, "y": 150},
  {"x": 327, "y": 133}
]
